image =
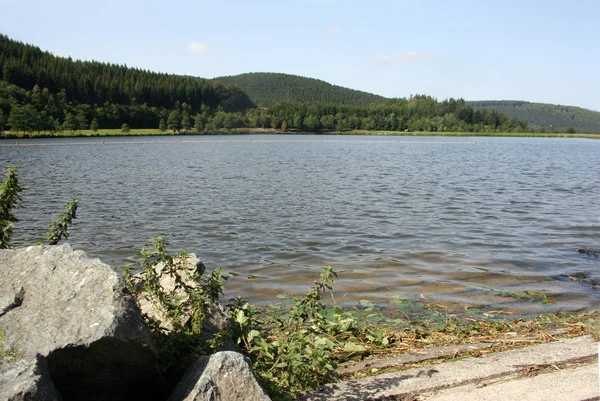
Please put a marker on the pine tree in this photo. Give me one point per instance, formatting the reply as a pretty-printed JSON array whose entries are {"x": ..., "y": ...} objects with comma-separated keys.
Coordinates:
[
  {"x": 174, "y": 120},
  {"x": 198, "y": 125},
  {"x": 70, "y": 123},
  {"x": 162, "y": 125},
  {"x": 94, "y": 126},
  {"x": 186, "y": 121}
]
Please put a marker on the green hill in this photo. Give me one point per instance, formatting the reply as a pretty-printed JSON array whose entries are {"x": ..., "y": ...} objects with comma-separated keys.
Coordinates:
[
  {"x": 266, "y": 89},
  {"x": 92, "y": 82},
  {"x": 545, "y": 115}
]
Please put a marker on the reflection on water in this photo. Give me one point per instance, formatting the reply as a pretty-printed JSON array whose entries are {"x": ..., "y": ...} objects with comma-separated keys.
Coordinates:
[{"x": 462, "y": 222}]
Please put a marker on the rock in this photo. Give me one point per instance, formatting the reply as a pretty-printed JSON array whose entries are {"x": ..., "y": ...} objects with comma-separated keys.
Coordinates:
[
  {"x": 189, "y": 267},
  {"x": 224, "y": 376},
  {"x": 27, "y": 379},
  {"x": 76, "y": 312},
  {"x": 217, "y": 318}
]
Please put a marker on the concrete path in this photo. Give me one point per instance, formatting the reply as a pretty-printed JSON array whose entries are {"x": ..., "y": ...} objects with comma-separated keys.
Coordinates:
[{"x": 561, "y": 370}]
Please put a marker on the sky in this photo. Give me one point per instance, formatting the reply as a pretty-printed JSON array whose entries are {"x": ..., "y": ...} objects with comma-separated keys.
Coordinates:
[{"x": 535, "y": 50}]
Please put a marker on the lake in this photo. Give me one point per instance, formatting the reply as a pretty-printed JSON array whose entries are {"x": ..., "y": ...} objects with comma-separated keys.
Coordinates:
[{"x": 436, "y": 217}]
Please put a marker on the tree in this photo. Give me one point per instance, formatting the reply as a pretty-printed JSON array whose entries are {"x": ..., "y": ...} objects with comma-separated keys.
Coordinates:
[
  {"x": 124, "y": 128},
  {"x": 2, "y": 121},
  {"x": 162, "y": 125},
  {"x": 174, "y": 120},
  {"x": 570, "y": 130},
  {"x": 70, "y": 123},
  {"x": 82, "y": 122},
  {"x": 95, "y": 125},
  {"x": 327, "y": 122},
  {"x": 311, "y": 123},
  {"x": 186, "y": 121},
  {"x": 284, "y": 126},
  {"x": 297, "y": 121},
  {"x": 198, "y": 124},
  {"x": 24, "y": 118}
]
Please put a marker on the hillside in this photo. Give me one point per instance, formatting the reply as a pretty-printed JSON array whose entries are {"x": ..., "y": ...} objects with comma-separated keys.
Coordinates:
[
  {"x": 544, "y": 115},
  {"x": 92, "y": 82},
  {"x": 40, "y": 92},
  {"x": 266, "y": 89}
]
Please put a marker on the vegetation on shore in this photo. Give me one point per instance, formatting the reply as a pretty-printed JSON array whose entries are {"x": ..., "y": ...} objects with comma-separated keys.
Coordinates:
[
  {"x": 543, "y": 117},
  {"x": 300, "y": 343},
  {"x": 271, "y": 131},
  {"x": 43, "y": 92}
]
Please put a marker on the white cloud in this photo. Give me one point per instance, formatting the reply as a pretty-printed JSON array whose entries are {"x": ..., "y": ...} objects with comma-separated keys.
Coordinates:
[
  {"x": 334, "y": 30},
  {"x": 196, "y": 47},
  {"x": 404, "y": 58}
]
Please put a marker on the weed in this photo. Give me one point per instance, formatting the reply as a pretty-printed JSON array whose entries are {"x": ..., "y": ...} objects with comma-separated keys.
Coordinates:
[
  {"x": 59, "y": 228},
  {"x": 300, "y": 348},
  {"x": 182, "y": 298},
  {"x": 9, "y": 199}
]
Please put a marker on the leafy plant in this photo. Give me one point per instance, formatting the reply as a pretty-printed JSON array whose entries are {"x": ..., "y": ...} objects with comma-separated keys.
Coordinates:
[
  {"x": 183, "y": 298},
  {"x": 59, "y": 228},
  {"x": 300, "y": 349},
  {"x": 9, "y": 199}
]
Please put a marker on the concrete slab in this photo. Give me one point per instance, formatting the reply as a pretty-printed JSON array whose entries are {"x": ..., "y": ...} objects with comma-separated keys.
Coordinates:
[
  {"x": 413, "y": 382},
  {"x": 566, "y": 385},
  {"x": 416, "y": 356}
]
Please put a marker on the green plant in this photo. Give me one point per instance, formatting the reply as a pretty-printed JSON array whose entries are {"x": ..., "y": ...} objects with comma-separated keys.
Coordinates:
[
  {"x": 9, "y": 199},
  {"x": 182, "y": 298},
  {"x": 300, "y": 348},
  {"x": 59, "y": 228}
]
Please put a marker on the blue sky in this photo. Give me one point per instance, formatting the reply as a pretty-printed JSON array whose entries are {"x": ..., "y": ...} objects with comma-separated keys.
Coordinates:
[{"x": 546, "y": 51}]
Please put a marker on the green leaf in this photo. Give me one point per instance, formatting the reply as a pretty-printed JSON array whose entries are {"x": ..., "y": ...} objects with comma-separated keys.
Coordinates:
[
  {"x": 252, "y": 335},
  {"x": 353, "y": 347}
]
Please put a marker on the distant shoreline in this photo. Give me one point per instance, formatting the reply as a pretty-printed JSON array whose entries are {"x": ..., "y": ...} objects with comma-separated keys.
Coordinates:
[{"x": 266, "y": 131}]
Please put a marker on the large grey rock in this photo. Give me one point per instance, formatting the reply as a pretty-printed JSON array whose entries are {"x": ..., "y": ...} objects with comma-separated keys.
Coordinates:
[
  {"x": 224, "y": 376},
  {"x": 27, "y": 379},
  {"x": 76, "y": 312}
]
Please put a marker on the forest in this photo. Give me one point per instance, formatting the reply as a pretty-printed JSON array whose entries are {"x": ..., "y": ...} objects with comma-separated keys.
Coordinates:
[
  {"x": 40, "y": 92},
  {"x": 266, "y": 89},
  {"x": 544, "y": 117}
]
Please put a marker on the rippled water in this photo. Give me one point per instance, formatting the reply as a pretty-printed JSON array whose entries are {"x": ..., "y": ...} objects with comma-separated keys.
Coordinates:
[{"x": 471, "y": 223}]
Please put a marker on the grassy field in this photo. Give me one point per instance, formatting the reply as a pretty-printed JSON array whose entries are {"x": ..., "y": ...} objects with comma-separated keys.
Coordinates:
[{"x": 246, "y": 131}]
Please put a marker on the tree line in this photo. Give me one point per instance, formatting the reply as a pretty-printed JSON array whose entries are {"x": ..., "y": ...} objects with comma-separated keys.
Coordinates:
[
  {"x": 91, "y": 82},
  {"x": 42, "y": 92},
  {"x": 41, "y": 110}
]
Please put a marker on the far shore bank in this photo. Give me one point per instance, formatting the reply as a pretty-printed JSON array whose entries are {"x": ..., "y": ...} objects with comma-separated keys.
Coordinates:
[{"x": 266, "y": 131}]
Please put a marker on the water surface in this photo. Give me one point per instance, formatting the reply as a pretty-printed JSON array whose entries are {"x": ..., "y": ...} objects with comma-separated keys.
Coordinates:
[{"x": 435, "y": 217}]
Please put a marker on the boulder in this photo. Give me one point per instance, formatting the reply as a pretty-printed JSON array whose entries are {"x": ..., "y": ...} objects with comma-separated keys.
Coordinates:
[
  {"x": 224, "y": 376},
  {"x": 76, "y": 312},
  {"x": 27, "y": 379},
  {"x": 217, "y": 318},
  {"x": 187, "y": 269}
]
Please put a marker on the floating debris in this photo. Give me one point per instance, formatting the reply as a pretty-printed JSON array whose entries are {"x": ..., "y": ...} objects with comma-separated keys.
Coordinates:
[{"x": 589, "y": 252}]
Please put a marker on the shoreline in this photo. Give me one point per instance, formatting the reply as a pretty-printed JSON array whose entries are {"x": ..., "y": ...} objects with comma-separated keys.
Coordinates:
[{"x": 264, "y": 131}]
